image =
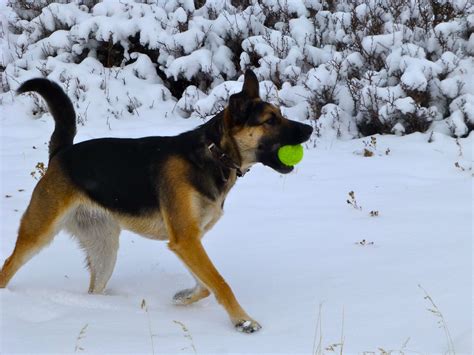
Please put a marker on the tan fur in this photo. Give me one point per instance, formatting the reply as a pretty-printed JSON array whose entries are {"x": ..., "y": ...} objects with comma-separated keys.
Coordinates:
[
  {"x": 248, "y": 138},
  {"x": 149, "y": 226},
  {"x": 52, "y": 198}
]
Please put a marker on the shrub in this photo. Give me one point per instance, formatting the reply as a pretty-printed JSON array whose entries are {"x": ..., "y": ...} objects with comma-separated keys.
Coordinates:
[{"x": 351, "y": 68}]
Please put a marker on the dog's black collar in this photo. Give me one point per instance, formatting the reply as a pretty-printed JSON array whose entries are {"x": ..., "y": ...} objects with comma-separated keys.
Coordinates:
[{"x": 224, "y": 160}]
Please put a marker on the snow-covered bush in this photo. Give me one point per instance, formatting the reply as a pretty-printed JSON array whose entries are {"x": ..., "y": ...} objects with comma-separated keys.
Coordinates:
[{"x": 349, "y": 67}]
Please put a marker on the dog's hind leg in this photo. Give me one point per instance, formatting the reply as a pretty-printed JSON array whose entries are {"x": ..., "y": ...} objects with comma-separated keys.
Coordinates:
[
  {"x": 98, "y": 234},
  {"x": 101, "y": 258},
  {"x": 42, "y": 220},
  {"x": 191, "y": 295}
]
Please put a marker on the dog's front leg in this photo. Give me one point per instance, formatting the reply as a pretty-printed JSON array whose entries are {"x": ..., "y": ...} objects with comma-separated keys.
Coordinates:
[
  {"x": 192, "y": 253},
  {"x": 185, "y": 240}
]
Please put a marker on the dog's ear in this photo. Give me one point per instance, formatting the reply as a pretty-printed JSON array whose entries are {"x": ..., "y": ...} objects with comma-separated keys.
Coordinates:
[
  {"x": 250, "y": 88},
  {"x": 240, "y": 103},
  {"x": 239, "y": 108}
]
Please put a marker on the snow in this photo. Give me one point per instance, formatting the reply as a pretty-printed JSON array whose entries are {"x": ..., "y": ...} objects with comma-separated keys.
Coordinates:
[
  {"x": 318, "y": 56},
  {"x": 302, "y": 30},
  {"x": 287, "y": 245},
  {"x": 301, "y": 260},
  {"x": 456, "y": 121},
  {"x": 398, "y": 129},
  {"x": 382, "y": 43},
  {"x": 405, "y": 105},
  {"x": 414, "y": 80},
  {"x": 355, "y": 43}
]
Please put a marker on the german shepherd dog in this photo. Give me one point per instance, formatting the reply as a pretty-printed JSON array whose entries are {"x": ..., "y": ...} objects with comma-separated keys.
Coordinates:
[{"x": 173, "y": 188}]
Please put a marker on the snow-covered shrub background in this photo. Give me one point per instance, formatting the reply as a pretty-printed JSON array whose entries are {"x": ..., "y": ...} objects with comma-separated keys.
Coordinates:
[{"x": 351, "y": 68}]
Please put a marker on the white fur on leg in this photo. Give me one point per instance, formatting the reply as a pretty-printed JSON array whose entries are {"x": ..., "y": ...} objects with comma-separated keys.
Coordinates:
[{"x": 98, "y": 234}]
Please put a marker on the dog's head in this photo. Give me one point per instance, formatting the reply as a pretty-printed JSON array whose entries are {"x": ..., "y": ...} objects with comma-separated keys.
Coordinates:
[{"x": 259, "y": 129}]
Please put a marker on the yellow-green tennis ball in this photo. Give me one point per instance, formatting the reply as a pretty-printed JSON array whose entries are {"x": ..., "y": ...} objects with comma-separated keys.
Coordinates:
[{"x": 290, "y": 154}]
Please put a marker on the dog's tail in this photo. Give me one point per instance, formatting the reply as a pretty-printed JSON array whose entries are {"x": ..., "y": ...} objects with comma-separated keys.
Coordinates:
[{"x": 60, "y": 107}]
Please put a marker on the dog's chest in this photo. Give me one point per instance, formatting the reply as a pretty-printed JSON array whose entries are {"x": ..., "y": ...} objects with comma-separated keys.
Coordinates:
[{"x": 210, "y": 214}]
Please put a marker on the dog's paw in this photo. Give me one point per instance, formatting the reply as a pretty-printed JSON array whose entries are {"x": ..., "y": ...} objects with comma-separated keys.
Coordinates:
[
  {"x": 190, "y": 295},
  {"x": 247, "y": 326},
  {"x": 183, "y": 296}
]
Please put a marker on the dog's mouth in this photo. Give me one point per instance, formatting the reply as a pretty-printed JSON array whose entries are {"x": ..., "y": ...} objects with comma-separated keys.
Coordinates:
[
  {"x": 269, "y": 156},
  {"x": 267, "y": 152}
]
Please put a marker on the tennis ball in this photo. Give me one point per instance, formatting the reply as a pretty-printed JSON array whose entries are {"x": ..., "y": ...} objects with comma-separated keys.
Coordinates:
[{"x": 290, "y": 154}]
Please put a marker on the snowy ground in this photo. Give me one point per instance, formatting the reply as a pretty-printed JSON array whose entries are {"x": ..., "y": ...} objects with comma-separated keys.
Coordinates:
[{"x": 289, "y": 246}]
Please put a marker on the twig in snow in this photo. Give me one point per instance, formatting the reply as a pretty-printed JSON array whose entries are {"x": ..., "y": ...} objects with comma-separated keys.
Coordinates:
[
  {"x": 145, "y": 308},
  {"x": 187, "y": 334},
  {"x": 82, "y": 335},
  {"x": 340, "y": 345},
  {"x": 442, "y": 322},
  {"x": 319, "y": 349},
  {"x": 352, "y": 201}
]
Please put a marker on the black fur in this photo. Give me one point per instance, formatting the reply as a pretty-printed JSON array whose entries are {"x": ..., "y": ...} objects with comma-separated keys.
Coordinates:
[
  {"x": 60, "y": 107},
  {"x": 124, "y": 174}
]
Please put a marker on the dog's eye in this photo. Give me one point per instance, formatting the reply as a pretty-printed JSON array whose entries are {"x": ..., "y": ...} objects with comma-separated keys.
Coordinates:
[{"x": 271, "y": 121}]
